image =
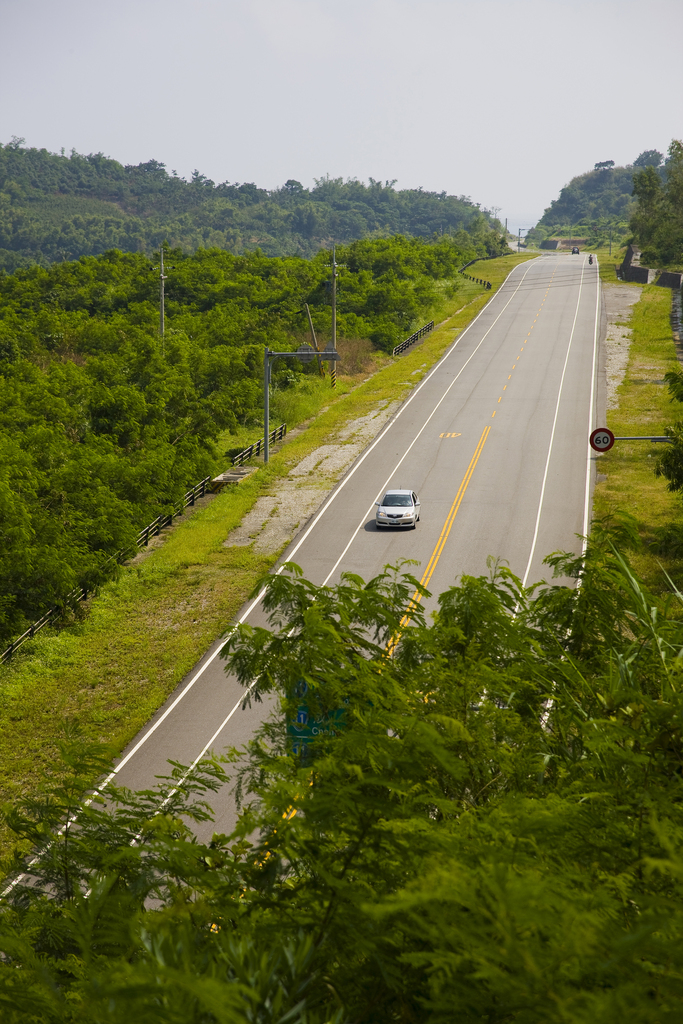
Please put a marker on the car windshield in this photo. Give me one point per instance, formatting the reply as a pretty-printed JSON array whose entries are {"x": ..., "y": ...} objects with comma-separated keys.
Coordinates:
[{"x": 397, "y": 501}]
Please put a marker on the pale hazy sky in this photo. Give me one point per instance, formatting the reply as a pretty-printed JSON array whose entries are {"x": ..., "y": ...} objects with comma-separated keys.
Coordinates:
[{"x": 500, "y": 100}]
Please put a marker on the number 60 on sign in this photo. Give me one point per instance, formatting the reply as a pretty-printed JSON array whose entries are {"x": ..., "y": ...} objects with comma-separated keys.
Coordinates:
[{"x": 602, "y": 439}]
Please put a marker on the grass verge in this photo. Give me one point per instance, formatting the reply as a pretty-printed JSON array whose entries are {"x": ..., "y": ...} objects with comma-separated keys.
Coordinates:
[
  {"x": 145, "y": 630},
  {"x": 644, "y": 408}
]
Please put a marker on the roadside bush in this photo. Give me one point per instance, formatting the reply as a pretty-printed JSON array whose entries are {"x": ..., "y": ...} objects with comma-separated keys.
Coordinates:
[{"x": 487, "y": 826}]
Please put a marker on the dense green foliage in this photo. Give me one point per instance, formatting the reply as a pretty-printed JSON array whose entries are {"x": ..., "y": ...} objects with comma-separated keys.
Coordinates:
[
  {"x": 670, "y": 463},
  {"x": 649, "y": 158},
  {"x": 494, "y": 833},
  {"x": 605, "y": 192},
  {"x": 56, "y": 207},
  {"x": 102, "y": 426},
  {"x": 594, "y": 202},
  {"x": 657, "y": 220}
]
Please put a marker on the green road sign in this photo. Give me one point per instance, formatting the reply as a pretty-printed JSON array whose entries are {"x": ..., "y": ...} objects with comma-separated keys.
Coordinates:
[{"x": 303, "y": 727}]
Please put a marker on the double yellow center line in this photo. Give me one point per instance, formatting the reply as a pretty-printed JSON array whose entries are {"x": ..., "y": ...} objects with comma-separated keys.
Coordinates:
[
  {"x": 441, "y": 543},
  {"x": 457, "y": 501}
]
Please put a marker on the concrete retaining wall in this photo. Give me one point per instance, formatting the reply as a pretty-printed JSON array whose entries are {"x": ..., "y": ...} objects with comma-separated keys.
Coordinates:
[
  {"x": 641, "y": 275},
  {"x": 668, "y": 279},
  {"x": 562, "y": 243}
]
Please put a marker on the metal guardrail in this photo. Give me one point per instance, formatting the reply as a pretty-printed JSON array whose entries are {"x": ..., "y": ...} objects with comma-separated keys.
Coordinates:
[
  {"x": 430, "y": 327},
  {"x": 676, "y": 315},
  {"x": 256, "y": 448},
  {"x": 161, "y": 522},
  {"x": 413, "y": 338},
  {"x": 153, "y": 529},
  {"x": 477, "y": 280},
  {"x": 81, "y": 593}
]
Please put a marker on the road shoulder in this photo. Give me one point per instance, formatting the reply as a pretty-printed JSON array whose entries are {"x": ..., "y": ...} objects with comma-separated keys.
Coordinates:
[{"x": 640, "y": 404}]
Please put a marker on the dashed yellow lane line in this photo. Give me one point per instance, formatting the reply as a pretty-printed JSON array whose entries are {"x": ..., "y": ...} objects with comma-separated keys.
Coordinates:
[{"x": 528, "y": 335}]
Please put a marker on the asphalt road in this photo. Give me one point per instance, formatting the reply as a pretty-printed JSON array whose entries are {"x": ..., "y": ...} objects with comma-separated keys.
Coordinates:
[{"x": 495, "y": 442}]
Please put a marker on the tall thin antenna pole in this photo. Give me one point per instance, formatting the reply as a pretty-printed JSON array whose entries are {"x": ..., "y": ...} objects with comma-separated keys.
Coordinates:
[
  {"x": 334, "y": 298},
  {"x": 162, "y": 278}
]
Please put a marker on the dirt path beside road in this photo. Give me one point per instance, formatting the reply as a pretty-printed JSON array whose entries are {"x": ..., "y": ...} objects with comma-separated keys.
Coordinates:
[{"x": 618, "y": 300}]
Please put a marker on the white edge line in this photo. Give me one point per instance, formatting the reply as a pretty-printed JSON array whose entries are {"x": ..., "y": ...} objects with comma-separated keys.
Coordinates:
[
  {"x": 194, "y": 764},
  {"x": 587, "y": 502},
  {"x": 552, "y": 433},
  {"x": 215, "y": 736}
]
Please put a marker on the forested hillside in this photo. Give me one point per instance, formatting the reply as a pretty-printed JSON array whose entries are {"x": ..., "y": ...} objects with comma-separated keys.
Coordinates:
[
  {"x": 102, "y": 425},
  {"x": 657, "y": 220},
  {"x": 58, "y": 207},
  {"x": 594, "y": 201}
]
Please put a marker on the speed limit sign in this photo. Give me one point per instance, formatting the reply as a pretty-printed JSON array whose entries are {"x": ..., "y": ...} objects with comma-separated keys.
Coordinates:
[{"x": 602, "y": 439}]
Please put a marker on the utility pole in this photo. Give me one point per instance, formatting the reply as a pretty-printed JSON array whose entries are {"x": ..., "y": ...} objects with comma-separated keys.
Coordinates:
[
  {"x": 610, "y": 239},
  {"x": 162, "y": 278},
  {"x": 333, "y": 368}
]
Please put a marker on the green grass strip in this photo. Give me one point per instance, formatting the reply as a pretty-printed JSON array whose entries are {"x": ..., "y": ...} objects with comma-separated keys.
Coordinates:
[{"x": 645, "y": 408}]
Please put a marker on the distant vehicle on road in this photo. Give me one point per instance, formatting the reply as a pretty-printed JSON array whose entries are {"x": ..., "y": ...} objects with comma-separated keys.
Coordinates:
[
  {"x": 398, "y": 508},
  {"x": 575, "y": 251}
]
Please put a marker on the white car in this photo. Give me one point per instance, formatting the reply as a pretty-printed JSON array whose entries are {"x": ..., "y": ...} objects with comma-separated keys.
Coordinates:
[{"x": 398, "y": 508}]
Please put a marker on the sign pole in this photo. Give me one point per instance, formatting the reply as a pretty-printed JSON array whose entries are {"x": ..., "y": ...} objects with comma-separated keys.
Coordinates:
[{"x": 602, "y": 439}]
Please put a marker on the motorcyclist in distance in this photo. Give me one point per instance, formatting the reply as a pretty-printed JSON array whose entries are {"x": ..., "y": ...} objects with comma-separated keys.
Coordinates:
[{"x": 590, "y": 259}]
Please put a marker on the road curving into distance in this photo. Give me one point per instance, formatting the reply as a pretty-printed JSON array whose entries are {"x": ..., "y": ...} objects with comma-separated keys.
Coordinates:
[{"x": 494, "y": 440}]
